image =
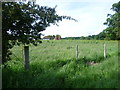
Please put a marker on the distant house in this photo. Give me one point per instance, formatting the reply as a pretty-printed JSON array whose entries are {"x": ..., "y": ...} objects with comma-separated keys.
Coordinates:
[
  {"x": 52, "y": 37},
  {"x": 49, "y": 37},
  {"x": 57, "y": 37},
  {"x": 46, "y": 38}
]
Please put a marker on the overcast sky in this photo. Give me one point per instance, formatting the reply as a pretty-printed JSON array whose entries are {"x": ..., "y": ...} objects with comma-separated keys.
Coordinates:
[{"x": 91, "y": 14}]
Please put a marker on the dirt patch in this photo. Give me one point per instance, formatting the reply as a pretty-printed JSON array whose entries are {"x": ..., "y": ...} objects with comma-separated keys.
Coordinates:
[{"x": 91, "y": 63}]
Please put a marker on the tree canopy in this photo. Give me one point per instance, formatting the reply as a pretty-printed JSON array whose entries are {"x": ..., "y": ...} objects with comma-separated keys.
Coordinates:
[
  {"x": 23, "y": 22},
  {"x": 113, "y": 23}
]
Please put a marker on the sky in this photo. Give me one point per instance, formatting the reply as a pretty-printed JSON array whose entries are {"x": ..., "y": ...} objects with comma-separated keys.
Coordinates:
[{"x": 91, "y": 14}]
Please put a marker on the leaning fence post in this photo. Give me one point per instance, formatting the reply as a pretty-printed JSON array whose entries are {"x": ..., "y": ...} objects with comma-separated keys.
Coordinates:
[
  {"x": 104, "y": 50},
  {"x": 76, "y": 54},
  {"x": 26, "y": 57}
]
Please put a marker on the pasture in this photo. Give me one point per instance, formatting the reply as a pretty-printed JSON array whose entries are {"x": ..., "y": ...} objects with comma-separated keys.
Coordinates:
[{"x": 52, "y": 65}]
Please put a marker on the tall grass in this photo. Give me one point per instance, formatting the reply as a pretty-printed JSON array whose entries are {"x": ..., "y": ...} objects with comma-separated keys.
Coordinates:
[{"x": 52, "y": 65}]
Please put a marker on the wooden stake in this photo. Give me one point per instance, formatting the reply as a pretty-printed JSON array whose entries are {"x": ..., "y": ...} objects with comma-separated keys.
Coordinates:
[
  {"x": 104, "y": 50},
  {"x": 26, "y": 57},
  {"x": 76, "y": 54}
]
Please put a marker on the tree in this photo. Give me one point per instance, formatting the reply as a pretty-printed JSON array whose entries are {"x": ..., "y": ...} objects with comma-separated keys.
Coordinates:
[
  {"x": 113, "y": 22},
  {"x": 22, "y": 24}
]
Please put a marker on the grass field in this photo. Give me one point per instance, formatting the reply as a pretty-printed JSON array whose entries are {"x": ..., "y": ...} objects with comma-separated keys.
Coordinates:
[{"x": 52, "y": 65}]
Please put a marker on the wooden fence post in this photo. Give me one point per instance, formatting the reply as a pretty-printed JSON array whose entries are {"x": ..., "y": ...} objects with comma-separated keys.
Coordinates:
[
  {"x": 104, "y": 50},
  {"x": 26, "y": 57},
  {"x": 76, "y": 54}
]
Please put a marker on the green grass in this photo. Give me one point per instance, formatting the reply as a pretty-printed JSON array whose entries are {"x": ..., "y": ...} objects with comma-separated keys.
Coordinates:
[{"x": 52, "y": 65}]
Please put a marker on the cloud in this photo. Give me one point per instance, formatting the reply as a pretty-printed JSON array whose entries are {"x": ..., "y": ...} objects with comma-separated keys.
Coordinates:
[{"x": 90, "y": 15}]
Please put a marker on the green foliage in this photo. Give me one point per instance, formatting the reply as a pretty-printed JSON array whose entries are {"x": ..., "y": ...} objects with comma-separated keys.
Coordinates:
[
  {"x": 23, "y": 22},
  {"x": 52, "y": 65},
  {"x": 113, "y": 22}
]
